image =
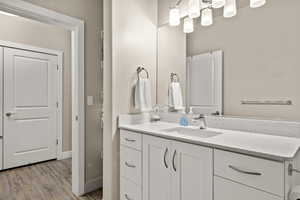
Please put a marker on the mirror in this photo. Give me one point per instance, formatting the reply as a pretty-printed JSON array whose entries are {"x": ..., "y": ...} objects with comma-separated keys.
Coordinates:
[
  {"x": 200, "y": 76},
  {"x": 260, "y": 62}
]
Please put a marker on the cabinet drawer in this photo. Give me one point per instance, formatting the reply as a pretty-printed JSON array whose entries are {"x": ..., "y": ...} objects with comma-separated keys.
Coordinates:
[
  {"x": 255, "y": 172},
  {"x": 228, "y": 190},
  {"x": 131, "y": 164},
  {"x": 131, "y": 139},
  {"x": 129, "y": 191}
]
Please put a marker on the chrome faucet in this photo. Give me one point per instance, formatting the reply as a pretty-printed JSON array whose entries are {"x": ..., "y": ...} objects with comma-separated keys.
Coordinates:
[{"x": 201, "y": 118}]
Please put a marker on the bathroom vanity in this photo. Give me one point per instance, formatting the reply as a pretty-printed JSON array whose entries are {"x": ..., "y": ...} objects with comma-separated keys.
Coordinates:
[{"x": 162, "y": 161}]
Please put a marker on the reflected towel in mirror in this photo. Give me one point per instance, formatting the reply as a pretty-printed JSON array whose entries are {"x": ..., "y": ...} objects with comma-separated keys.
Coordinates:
[{"x": 175, "y": 96}]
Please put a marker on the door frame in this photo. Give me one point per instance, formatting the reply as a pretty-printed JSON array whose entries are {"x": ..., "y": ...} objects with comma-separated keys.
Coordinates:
[
  {"x": 59, "y": 54},
  {"x": 76, "y": 26}
]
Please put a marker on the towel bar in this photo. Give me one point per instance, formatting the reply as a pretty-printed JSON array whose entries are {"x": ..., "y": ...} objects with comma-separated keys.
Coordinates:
[
  {"x": 269, "y": 102},
  {"x": 174, "y": 77}
]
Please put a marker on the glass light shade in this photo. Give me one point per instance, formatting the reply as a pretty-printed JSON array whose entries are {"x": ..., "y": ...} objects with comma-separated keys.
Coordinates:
[
  {"x": 174, "y": 17},
  {"x": 257, "y": 3},
  {"x": 194, "y": 8},
  {"x": 207, "y": 17},
  {"x": 218, "y": 3},
  {"x": 230, "y": 9},
  {"x": 188, "y": 26}
]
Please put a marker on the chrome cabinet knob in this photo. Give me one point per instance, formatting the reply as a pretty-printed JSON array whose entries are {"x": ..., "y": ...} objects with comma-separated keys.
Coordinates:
[{"x": 9, "y": 114}]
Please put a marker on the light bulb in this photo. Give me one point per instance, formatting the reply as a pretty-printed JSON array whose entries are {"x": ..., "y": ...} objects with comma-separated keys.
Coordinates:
[
  {"x": 230, "y": 8},
  {"x": 207, "y": 17},
  {"x": 257, "y": 3},
  {"x": 174, "y": 16},
  {"x": 194, "y": 8},
  {"x": 188, "y": 26},
  {"x": 218, "y": 3}
]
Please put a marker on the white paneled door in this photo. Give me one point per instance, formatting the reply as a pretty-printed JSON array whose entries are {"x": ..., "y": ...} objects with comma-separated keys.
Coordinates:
[{"x": 30, "y": 117}]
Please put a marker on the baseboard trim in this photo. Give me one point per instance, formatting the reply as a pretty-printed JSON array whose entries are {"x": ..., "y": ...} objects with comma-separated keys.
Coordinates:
[
  {"x": 65, "y": 155},
  {"x": 93, "y": 184}
]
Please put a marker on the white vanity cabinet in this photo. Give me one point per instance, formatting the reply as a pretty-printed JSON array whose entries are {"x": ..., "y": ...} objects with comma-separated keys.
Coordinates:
[
  {"x": 154, "y": 168},
  {"x": 176, "y": 171}
]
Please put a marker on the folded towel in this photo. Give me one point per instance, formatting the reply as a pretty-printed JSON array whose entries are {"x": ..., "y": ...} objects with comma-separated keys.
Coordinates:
[
  {"x": 175, "y": 96},
  {"x": 142, "y": 98}
]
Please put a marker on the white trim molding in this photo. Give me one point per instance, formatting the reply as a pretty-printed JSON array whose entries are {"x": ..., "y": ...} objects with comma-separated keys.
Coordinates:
[
  {"x": 76, "y": 26},
  {"x": 65, "y": 155},
  {"x": 93, "y": 184}
]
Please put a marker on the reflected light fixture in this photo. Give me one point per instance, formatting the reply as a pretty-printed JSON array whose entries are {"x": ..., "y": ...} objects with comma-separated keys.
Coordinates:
[
  {"x": 174, "y": 16},
  {"x": 207, "y": 16},
  {"x": 188, "y": 25},
  {"x": 194, "y": 8},
  {"x": 257, "y": 3},
  {"x": 230, "y": 9}
]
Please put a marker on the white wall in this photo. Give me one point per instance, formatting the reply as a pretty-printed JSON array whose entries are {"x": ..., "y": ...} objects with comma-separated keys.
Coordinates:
[
  {"x": 134, "y": 44},
  {"x": 133, "y": 25},
  {"x": 261, "y": 55}
]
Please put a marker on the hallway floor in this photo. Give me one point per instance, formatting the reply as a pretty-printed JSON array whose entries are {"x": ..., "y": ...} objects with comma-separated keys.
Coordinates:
[{"x": 44, "y": 181}]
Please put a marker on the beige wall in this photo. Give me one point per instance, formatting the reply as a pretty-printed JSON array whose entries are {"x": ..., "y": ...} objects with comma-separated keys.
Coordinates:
[
  {"x": 261, "y": 49},
  {"x": 91, "y": 12},
  {"x": 24, "y": 31}
]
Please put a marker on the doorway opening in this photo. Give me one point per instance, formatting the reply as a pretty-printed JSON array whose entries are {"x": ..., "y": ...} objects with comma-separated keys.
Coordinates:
[{"x": 76, "y": 27}]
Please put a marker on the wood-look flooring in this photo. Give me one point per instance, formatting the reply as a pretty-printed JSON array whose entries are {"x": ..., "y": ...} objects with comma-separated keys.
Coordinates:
[{"x": 44, "y": 181}]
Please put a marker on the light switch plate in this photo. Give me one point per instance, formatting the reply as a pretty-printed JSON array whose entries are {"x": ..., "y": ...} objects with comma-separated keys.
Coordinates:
[{"x": 90, "y": 100}]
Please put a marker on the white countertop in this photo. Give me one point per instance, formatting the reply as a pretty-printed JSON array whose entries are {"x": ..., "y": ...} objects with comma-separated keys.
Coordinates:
[{"x": 267, "y": 146}]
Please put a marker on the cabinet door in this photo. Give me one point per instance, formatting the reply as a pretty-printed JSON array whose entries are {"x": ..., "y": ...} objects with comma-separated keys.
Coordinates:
[
  {"x": 156, "y": 168},
  {"x": 228, "y": 190},
  {"x": 192, "y": 172}
]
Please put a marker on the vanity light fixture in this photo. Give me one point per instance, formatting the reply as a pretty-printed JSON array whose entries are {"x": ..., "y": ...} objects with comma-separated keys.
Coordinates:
[
  {"x": 257, "y": 3},
  {"x": 204, "y": 8},
  {"x": 194, "y": 8},
  {"x": 230, "y": 9},
  {"x": 174, "y": 16},
  {"x": 207, "y": 16},
  {"x": 188, "y": 25}
]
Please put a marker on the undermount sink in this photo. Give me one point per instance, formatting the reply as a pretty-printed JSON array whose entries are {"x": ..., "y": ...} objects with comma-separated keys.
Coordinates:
[{"x": 197, "y": 132}]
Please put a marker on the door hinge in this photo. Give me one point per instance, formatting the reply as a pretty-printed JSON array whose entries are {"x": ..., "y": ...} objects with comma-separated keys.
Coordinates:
[
  {"x": 57, "y": 67},
  {"x": 56, "y": 141},
  {"x": 57, "y": 104}
]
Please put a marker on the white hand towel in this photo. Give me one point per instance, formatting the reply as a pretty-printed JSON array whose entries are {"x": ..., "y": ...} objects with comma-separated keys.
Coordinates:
[
  {"x": 175, "y": 96},
  {"x": 142, "y": 97}
]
